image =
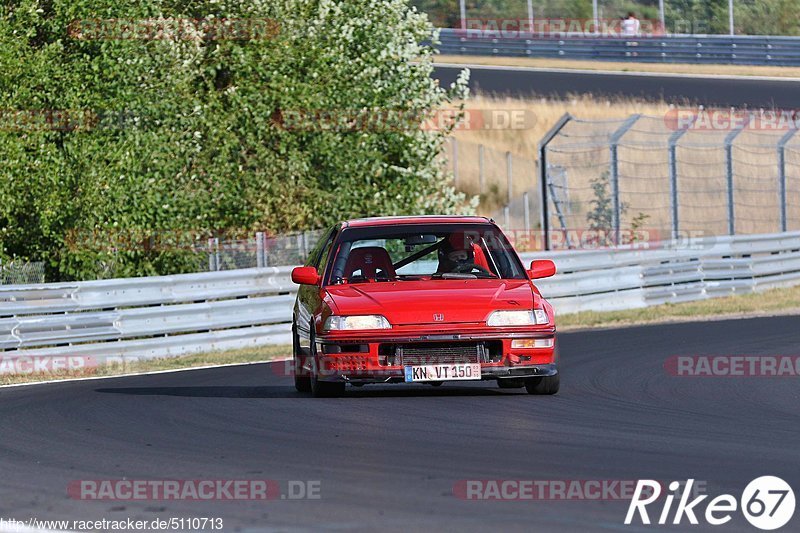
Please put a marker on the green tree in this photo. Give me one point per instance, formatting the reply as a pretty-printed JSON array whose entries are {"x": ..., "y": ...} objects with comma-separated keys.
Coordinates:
[{"x": 187, "y": 138}]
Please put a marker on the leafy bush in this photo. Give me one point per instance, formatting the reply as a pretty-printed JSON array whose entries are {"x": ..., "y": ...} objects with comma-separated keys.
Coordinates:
[{"x": 184, "y": 135}]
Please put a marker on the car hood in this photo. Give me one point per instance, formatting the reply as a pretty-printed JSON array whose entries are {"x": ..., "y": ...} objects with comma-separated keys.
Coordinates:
[{"x": 416, "y": 302}]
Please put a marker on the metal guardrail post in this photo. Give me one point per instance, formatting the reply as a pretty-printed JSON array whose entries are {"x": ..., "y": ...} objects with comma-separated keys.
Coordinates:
[
  {"x": 614, "y": 178},
  {"x": 481, "y": 171},
  {"x": 729, "y": 178},
  {"x": 782, "y": 175},
  {"x": 543, "y": 179},
  {"x": 509, "y": 177},
  {"x": 673, "y": 180}
]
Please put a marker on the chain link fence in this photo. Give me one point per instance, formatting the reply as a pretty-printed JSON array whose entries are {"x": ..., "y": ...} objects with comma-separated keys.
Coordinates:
[
  {"x": 260, "y": 250},
  {"x": 504, "y": 182},
  {"x": 689, "y": 173},
  {"x": 643, "y": 173},
  {"x": 19, "y": 273}
]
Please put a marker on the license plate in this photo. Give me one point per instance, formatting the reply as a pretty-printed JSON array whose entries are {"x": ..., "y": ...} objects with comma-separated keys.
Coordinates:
[{"x": 443, "y": 372}]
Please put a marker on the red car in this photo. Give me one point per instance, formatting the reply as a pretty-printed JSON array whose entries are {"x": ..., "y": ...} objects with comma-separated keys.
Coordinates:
[{"x": 423, "y": 299}]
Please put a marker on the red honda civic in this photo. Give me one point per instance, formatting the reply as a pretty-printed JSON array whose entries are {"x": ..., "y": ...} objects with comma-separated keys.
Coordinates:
[{"x": 424, "y": 299}]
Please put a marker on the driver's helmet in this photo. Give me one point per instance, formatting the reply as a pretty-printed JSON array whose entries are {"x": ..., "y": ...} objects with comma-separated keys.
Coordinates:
[{"x": 454, "y": 251}]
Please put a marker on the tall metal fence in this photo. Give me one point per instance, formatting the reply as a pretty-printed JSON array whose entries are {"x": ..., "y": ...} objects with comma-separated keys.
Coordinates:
[{"x": 641, "y": 173}]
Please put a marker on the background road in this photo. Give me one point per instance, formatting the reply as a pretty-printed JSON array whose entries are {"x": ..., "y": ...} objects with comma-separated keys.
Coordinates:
[
  {"x": 389, "y": 457},
  {"x": 753, "y": 93}
]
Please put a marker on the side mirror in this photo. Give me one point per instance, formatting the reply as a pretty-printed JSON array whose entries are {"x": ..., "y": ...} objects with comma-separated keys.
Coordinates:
[
  {"x": 543, "y": 268},
  {"x": 305, "y": 275}
]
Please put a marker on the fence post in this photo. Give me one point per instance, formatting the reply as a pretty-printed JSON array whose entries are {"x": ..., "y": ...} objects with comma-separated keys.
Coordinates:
[
  {"x": 526, "y": 210},
  {"x": 509, "y": 176},
  {"x": 455, "y": 162},
  {"x": 481, "y": 171},
  {"x": 260, "y": 249},
  {"x": 782, "y": 175},
  {"x": 506, "y": 219},
  {"x": 616, "y": 221},
  {"x": 542, "y": 149},
  {"x": 673, "y": 180},
  {"x": 213, "y": 254},
  {"x": 729, "y": 178}
]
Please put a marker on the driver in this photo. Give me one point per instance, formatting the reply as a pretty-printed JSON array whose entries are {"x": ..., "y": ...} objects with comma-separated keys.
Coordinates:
[{"x": 455, "y": 254}]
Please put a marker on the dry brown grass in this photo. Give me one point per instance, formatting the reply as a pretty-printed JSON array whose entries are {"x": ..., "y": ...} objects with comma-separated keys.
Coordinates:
[
  {"x": 700, "y": 70},
  {"x": 541, "y": 114}
]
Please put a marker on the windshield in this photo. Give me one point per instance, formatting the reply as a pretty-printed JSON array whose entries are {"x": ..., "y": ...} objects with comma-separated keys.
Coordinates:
[{"x": 424, "y": 252}]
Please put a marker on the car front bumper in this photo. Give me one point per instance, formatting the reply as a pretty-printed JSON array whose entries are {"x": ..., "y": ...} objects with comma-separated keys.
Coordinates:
[
  {"x": 360, "y": 360},
  {"x": 487, "y": 373}
]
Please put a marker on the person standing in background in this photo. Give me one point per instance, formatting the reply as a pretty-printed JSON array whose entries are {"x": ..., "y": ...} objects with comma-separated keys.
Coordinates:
[{"x": 631, "y": 26}]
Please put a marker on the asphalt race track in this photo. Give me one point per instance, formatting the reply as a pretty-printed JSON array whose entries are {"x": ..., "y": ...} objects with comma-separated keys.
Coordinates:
[
  {"x": 389, "y": 457},
  {"x": 712, "y": 92}
]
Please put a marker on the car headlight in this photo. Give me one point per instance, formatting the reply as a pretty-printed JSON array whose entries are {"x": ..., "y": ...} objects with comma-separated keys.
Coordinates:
[
  {"x": 356, "y": 322},
  {"x": 517, "y": 318}
]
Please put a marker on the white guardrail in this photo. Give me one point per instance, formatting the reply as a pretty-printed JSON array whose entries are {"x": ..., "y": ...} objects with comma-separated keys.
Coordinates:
[{"x": 189, "y": 313}]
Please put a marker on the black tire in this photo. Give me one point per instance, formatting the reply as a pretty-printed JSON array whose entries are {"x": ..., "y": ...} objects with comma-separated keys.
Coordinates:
[
  {"x": 326, "y": 389},
  {"x": 301, "y": 383},
  {"x": 322, "y": 389},
  {"x": 543, "y": 385}
]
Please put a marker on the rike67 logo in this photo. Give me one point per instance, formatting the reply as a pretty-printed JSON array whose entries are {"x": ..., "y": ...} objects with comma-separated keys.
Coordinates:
[{"x": 767, "y": 503}]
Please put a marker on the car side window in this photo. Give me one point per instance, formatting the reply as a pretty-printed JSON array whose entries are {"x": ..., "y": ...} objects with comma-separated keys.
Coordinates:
[
  {"x": 323, "y": 258},
  {"x": 314, "y": 255}
]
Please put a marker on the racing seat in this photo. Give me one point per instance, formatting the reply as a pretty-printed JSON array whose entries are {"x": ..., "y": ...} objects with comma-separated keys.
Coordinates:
[
  {"x": 369, "y": 261},
  {"x": 480, "y": 257}
]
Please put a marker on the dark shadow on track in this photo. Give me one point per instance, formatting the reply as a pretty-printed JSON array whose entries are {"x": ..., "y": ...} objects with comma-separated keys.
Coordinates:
[
  {"x": 208, "y": 392},
  {"x": 290, "y": 392}
]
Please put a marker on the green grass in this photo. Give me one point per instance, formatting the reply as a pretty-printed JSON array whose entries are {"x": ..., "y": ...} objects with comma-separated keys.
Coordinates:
[{"x": 770, "y": 302}]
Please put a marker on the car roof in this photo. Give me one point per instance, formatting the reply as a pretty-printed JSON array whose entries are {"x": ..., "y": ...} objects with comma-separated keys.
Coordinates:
[{"x": 419, "y": 219}]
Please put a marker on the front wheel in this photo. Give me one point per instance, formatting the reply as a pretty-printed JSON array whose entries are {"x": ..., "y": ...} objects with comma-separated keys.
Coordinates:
[
  {"x": 326, "y": 389},
  {"x": 301, "y": 382},
  {"x": 543, "y": 385}
]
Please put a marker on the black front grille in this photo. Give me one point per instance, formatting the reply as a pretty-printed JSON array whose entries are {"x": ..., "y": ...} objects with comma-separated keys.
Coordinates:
[
  {"x": 426, "y": 353},
  {"x": 432, "y": 353}
]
